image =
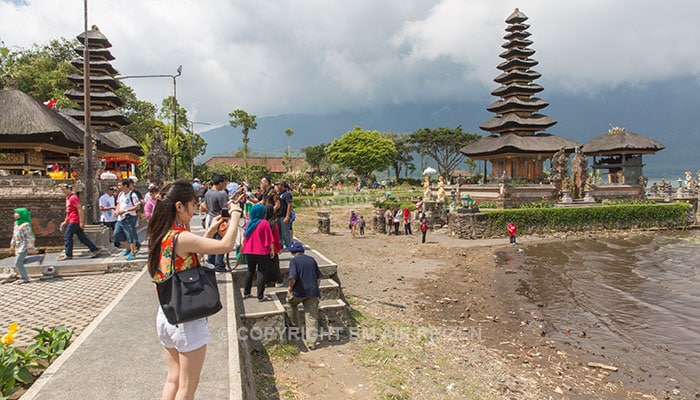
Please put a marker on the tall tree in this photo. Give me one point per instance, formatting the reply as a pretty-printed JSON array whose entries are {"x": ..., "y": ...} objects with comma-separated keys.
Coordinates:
[
  {"x": 141, "y": 113},
  {"x": 315, "y": 156},
  {"x": 41, "y": 72},
  {"x": 287, "y": 159},
  {"x": 362, "y": 151},
  {"x": 178, "y": 142},
  {"x": 246, "y": 122},
  {"x": 442, "y": 145},
  {"x": 404, "y": 149}
]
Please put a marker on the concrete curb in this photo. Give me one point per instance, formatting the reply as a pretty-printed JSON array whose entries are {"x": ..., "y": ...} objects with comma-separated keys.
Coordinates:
[{"x": 56, "y": 365}]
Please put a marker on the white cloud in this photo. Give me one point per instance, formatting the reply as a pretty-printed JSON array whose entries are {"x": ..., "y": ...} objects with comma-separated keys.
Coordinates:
[{"x": 319, "y": 56}]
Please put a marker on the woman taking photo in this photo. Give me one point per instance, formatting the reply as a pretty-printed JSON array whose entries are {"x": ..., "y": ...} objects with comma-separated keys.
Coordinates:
[{"x": 185, "y": 343}]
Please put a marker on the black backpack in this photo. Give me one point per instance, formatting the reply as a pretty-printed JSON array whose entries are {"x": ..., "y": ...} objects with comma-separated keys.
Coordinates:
[{"x": 138, "y": 196}]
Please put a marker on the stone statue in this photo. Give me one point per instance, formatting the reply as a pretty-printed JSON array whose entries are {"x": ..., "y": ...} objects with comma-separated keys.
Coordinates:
[
  {"x": 158, "y": 160},
  {"x": 441, "y": 189},
  {"x": 654, "y": 188},
  {"x": 642, "y": 181},
  {"x": 559, "y": 170},
  {"x": 579, "y": 168},
  {"x": 688, "y": 180},
  {"x": 427, "y": 193}
]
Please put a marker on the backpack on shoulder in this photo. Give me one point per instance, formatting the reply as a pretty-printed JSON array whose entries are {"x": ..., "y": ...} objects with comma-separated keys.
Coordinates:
[{"x": 139, "y": 196}]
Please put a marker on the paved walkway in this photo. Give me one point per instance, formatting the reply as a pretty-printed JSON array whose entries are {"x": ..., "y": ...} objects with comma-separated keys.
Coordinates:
[{"x": 116, "y": 354}]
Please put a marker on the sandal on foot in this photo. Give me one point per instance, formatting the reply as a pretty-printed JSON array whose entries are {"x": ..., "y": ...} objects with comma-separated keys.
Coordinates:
[{"x": 63, "y": 257}]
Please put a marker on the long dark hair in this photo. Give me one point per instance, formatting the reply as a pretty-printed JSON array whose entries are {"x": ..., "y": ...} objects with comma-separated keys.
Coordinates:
[
  {"x": 271, "y": 215},
  {"x": 163, "y": 217}
]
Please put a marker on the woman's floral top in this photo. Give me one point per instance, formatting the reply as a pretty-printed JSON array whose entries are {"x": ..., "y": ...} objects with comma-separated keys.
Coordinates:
[
  {"x": 166, "y": 254},
  {"x": 22, "y": 238}
]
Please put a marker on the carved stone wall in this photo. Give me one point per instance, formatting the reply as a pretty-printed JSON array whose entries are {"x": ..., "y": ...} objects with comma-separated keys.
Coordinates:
[
  {"x": 324, "y": 222},
  {"x": 468, "y": 226},
  {"x": 45, "y": 202},
  {"x": 378, "y": 223}
]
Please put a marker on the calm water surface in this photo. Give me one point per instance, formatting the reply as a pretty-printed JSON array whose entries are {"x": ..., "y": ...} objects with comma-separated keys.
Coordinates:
[{"x": 633, "y": 302}]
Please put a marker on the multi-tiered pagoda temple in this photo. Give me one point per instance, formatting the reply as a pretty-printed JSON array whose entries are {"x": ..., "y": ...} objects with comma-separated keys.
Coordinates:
[
  {"x": 119, "y": 151},
  {"x": 515, "y": 149}
]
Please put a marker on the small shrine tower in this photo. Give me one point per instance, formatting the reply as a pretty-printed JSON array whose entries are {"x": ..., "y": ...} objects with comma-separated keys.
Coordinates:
[{"x": 514, "y": 148}]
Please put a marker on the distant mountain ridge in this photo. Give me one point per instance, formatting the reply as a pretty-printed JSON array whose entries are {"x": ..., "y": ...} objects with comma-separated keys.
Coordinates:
[{"x": 665, "y": 111}]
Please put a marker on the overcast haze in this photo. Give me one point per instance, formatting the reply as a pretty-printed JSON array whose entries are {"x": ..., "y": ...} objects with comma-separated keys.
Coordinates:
[{"x": 323, "y": 57}]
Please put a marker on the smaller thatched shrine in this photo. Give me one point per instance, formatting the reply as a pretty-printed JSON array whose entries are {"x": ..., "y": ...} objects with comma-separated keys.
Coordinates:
[{"x": 617, "y": 156}]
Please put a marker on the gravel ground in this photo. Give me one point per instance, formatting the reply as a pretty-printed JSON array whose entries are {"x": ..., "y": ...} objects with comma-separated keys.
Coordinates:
[{"x": 437, "y": 320}]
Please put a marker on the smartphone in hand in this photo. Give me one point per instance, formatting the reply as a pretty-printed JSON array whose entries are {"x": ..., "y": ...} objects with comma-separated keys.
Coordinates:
[{"x": 225, "y": 214}]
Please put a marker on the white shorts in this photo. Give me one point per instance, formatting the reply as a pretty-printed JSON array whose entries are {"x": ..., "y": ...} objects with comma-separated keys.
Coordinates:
[{"x": 184, "y": 337}]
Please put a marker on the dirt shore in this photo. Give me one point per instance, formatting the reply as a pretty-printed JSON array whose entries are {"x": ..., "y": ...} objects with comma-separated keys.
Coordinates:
[{"x": 444, "y": 319}]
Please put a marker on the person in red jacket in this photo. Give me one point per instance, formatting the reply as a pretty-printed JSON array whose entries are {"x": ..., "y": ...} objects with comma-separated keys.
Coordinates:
[
  {"x": 407, "y": 221},
  {"x": 512, "y": 230}
]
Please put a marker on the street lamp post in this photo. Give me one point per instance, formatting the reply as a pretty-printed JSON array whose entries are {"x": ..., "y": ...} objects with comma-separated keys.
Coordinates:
[
  {"x": 174, "y": 102},
  {"x": 192, "y": 145},
  {"x": 87, "y": 137},
  {"x": 174, "y": 107}
]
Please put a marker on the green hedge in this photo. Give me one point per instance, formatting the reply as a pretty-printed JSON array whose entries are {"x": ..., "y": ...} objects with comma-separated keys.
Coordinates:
[
  {"x": 546, "y": 220},
  {"x": 395, "y": 204}
]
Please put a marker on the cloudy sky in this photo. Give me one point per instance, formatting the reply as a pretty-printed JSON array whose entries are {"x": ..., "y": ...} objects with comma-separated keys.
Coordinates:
[{"x": 273, "y": 57}]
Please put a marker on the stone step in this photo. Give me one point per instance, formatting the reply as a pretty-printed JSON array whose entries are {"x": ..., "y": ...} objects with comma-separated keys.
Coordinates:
[
  {"x": 330, "y": 289},
  {"x": 267, "y": 321},
  {"x": 333, "y": 317},
  {"x": 80, "y": 264},
  {"x": 252, "y": 308},
  {"x": 328, "y": 268}
]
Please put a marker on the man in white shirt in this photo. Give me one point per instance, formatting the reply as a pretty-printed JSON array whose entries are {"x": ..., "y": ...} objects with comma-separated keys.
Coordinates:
[
  {"x": 125, "y": 228},
  {"x": 107, "y": 207}
]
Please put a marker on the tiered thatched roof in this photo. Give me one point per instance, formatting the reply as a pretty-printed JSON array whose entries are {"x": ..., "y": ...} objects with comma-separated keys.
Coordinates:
[
  {"x": 517, "y": 110},
  {"x": 513, "y": 144},
  {"x": 514, "y": 128}
]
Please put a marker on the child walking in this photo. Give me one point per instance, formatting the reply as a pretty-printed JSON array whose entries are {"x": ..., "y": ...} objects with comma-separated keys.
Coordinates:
[
  {"x": 361, "y": 224},
  {"x": 22, "y": 242},
  {"x": 423, "y": 228},
  {"x": 512, "y": 230}
]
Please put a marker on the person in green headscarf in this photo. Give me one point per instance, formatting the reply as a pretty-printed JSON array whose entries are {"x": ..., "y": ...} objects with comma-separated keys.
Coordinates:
[{"x": 22, "y": 241}]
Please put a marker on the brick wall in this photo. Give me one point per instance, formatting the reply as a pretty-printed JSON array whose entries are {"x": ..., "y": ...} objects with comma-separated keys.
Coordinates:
[{"x": 45, "y": 202}]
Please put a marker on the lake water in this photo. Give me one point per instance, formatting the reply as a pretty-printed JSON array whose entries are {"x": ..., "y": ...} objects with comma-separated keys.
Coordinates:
[{"x": 631, "y": 301}]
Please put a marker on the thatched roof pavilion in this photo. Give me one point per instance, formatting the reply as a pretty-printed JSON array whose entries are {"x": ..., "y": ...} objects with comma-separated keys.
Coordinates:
[
  {"x": 619, "y": 152},
  {"x": 26, "y": 121},
  {"x": 34, "y": 136},
  {"x": 621, "y": 141},
  {"x": 515, "y": 148}
]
